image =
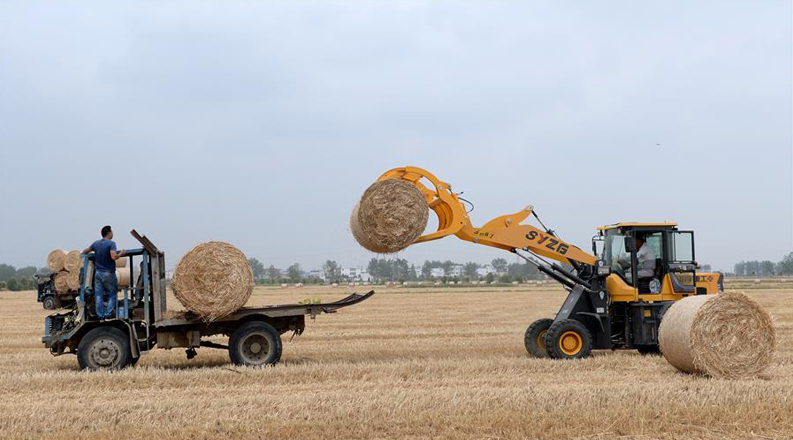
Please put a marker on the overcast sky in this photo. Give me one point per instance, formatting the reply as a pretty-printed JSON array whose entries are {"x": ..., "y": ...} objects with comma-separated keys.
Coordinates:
[{"x": 261, "y": 124}]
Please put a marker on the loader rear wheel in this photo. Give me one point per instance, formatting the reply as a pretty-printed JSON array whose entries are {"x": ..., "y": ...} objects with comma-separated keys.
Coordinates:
[
  {"x": 104, "y": 348},
  {"x": 255, "y": 344},
  {"x": 568, "y": 339},
  {"x": 534, "y": 340}
]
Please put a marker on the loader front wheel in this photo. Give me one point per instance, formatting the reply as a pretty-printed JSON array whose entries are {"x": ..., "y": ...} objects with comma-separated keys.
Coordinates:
[
  {"x": 255, "y": 344},
  {"x": 568, "y": 339},
  {"x": 104, "y": 348},
  {"x": 534, "y": 340}
]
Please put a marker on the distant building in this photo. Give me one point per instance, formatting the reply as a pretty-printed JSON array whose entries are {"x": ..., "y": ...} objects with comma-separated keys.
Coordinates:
[
  {"x": 485, "y": 270},
  {"x": 356, "y": 273},
  {"x": 317, "y": 273},
  {"x": 437, "y": 272},
  {"x": 456, "y": 271}
]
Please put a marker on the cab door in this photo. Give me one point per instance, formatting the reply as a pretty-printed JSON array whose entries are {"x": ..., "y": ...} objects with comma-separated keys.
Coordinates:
[{"x": 682, "y": 264}]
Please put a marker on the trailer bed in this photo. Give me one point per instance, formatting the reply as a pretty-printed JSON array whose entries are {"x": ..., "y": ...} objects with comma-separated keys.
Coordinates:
[{"x": 273, "y": 311}]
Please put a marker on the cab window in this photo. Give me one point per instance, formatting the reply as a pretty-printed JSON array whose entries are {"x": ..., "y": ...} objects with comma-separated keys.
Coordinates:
[
  {"x": 654, "y": 242},
  {"x": 682, "y": 244}
]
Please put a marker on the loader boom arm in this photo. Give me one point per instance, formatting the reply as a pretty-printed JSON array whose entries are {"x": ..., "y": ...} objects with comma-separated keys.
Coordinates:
[{"x": 504, "y": 232}]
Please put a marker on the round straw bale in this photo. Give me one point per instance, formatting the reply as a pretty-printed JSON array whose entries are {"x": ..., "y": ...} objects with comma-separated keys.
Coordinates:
[
  {"x": 55, "y": 260},
  {"x": 390, "y": 216},
  {"x": 213, "y": 280},
  {"x": 72, "y": 262},
  {"x": 727, "y": 335},
  {"x": 122, "y": 275},
  {"x": 121, "y": 262},
  {"x": 73, "y": 280},
  {"x": 61, "y": 282}
]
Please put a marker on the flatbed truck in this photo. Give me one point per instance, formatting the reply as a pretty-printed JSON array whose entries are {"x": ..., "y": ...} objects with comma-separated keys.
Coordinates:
[{"x": 142, "y": 323}]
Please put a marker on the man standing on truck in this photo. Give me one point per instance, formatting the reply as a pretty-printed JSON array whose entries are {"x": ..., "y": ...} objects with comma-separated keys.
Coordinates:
[{"x": 105, "y": 282}]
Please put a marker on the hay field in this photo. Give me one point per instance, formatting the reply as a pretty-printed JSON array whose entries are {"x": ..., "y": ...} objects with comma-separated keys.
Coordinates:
[{"x": 413, "y": 363}]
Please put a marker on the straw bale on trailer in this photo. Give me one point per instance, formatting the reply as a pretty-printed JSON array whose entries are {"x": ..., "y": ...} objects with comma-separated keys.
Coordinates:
[
  {"x": 55, "y": 260},
  {"x": 73, "y": 280},
  {"x": 727, "y": 335},
  {"x": 390, "y": 216},
  {"x": 121, "y": 262},
  {"x": 123, "y": 276},
  {"x": 61, "y": 282},
  {"x": 72, "y": 262},
  {"x": 213, "y": 279}
]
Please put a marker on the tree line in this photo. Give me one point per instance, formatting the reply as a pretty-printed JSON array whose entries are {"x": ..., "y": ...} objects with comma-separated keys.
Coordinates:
[
  {"x": 15, "y": 279},
  {"x": 398, "y": 270},
  {"x": 765, "y": 268}
]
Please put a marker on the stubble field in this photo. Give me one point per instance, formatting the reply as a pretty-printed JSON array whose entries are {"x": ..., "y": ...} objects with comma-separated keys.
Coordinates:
[{"x": 411, "y": 363}]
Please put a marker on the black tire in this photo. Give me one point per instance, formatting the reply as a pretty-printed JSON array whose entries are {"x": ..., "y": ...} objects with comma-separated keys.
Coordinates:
[
  {"x": 649, "y": 350},
  {"x": 534, "y": 339},
  {"x": 48, "y": 303},
  {"x": 255, "y": 344},
  {"x": 104, "y": 348},
  {"x": 568, "y": 339},
  {"x": 655, "y": 350}
]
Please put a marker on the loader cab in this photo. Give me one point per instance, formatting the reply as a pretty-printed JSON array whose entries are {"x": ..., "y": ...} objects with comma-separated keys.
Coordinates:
[{"x": 674, "y": 275}]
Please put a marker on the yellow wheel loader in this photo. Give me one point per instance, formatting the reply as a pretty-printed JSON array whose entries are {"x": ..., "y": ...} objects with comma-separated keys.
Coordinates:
[{"x": 613, "y": 303}]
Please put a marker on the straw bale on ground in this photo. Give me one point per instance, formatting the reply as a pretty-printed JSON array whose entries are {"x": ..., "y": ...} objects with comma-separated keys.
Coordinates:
[
  {"x": 390, "y": 216},
  {"x": 213, "y": 279},
  {"x": 727, "y": 335}
]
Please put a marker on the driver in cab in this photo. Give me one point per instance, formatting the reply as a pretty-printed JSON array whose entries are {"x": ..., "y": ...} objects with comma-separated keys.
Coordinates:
[{"x": 646, "y": 263}]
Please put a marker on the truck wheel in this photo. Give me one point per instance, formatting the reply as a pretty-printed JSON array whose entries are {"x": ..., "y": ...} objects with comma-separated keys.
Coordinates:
[
  {"x": 534, "y": 340},
  {"x": 568, "y": 339},
  {"x": 104, "y": 348},
  {"x": 49, "y": 303},
  {"x": 255, "y": 344}
]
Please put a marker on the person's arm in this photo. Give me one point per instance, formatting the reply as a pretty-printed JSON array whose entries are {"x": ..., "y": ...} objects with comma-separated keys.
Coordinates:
[
  {"x": 89, "y": 249},
  {"x": 116, "y": 255}
]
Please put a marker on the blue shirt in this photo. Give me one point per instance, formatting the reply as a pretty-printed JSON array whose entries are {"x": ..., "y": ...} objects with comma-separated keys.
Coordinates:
[{"x": 102, "y": 248}]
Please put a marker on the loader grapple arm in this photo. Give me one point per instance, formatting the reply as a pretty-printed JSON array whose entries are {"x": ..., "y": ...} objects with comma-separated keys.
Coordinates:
[{"x": 504, "y": 232}]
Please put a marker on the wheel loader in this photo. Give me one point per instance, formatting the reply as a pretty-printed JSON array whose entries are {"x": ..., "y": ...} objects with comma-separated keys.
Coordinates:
[{"x": 605, "y": 308}]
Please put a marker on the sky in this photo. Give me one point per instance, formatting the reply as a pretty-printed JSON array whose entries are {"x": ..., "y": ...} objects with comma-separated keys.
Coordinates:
[{"x": 261, "y": 124}]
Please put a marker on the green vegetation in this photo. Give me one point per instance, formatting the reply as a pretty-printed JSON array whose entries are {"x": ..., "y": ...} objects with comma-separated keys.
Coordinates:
[
  {"x": 15, "y": 279},
  {"x": 765, "y": 268}
]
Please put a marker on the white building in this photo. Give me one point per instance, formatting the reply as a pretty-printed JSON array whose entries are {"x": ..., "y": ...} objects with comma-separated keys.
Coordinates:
[
  {"x": 456, "y": 271},
  {"x": 437, "y": 272},
  {"x": 356, "y": 273},
  {"x": 317, "y": 273},
  {"x": 485, "y": 270}
]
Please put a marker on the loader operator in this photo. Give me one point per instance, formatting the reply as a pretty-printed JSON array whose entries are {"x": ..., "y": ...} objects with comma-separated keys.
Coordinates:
[
  {"x": 105, "y": 282},
  {"x": 645, "y": 259}
]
